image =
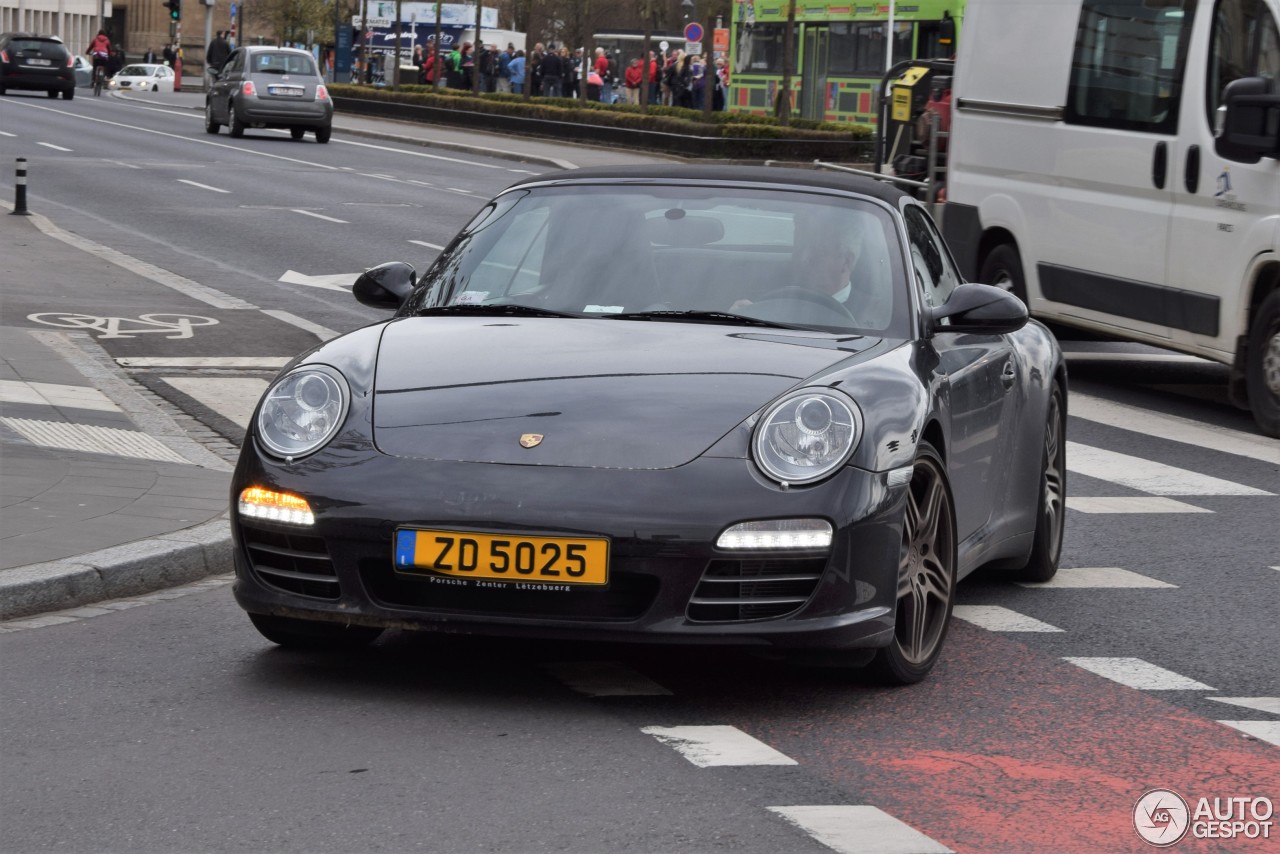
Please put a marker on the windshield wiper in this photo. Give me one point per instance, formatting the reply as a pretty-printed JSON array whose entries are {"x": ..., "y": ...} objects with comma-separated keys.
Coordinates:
[
  {"x": 699, "y": 317},
  {"x": 509, "y": 309}
]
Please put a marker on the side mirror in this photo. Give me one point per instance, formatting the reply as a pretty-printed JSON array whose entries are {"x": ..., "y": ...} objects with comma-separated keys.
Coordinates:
[
  {"x": 386, "y": 285},
  {"x": 1249, "y": 121},
  {"x": 980, "y": 309}
]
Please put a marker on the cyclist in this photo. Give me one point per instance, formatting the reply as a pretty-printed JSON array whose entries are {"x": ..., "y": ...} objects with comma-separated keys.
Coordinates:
[{"x": 100, "y": 50}]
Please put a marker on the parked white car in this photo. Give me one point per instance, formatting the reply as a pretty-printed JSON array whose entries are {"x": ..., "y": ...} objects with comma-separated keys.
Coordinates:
[{"x": 142, "y": 78}]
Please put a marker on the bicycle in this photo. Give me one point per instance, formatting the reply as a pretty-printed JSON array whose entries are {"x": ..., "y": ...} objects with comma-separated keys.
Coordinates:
[{"x": 99, "y": 72}]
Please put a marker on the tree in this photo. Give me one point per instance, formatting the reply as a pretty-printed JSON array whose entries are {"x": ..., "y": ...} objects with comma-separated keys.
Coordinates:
[{"x": 296, "y": 20}]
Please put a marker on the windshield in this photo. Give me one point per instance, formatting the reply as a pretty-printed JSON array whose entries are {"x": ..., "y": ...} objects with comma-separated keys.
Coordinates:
[
  {"x": 795, "y": 258},
  {"x": 137, "y": 71}
]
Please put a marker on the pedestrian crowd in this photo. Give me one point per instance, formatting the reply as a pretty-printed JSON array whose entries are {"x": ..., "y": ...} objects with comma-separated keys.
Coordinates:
[{"x": 675, "y": 80}]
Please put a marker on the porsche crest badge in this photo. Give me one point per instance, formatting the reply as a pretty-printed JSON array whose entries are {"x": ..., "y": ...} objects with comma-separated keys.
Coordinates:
[{"x": 530, "y": 440}]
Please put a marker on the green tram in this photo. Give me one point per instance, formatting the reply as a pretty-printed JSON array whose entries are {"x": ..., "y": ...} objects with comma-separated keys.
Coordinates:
[{"x": 839, "y": 52}]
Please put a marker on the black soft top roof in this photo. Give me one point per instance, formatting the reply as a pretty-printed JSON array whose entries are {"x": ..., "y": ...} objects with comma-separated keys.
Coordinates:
[{"x": 668, "y": 173}]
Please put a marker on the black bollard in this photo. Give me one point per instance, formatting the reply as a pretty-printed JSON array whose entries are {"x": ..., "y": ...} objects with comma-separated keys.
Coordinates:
[{"x": 20, "y": 189}]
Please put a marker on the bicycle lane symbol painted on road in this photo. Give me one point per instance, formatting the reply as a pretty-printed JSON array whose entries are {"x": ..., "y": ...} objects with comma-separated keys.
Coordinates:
[{"x": 172, "y": 326}]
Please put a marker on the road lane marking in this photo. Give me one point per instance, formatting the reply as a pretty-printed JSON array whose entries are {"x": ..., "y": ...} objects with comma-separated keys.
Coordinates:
[
  {"x": 1271, "y": 705},
  {"x": 56, "y": 394},
  {"x": 420, "y": 154},
  {"x": 995, "y": 618},
  {"x": 94, "y": 440},
  {"x": 122, "y": 163},
  {"x": 860, "y": 830},
  {"x": 236, "y": 148},
  {"x": 322, "y": 332},
  {"x": 1148, "y": 476},
  {"x": 234, "y": 398},
  {"x": 256, "y": 362},
  {"x": 421, "y": 183},
  {"x": 1136, "y": 673},
  {"x": 6, "y": 133},
  {"x": 1268, "y": 731},
  {"x": 181, "y": 284},
  {"x": 459, "y": 190},
  {"x": 202, "y": 186},
  {"x": 1173, "y": 428},
  {"x": 713, "y": 746},
  {"x": 54, "y": 147},
  {"x": 1098, "y": 577},
  {"x": 320, "y": 216},
  {"x": 604, "y": 679},
  {"x": 428, "y": 245},
  {"x": 329, "y": 282},
  {"x": 1132, "y": 504}
]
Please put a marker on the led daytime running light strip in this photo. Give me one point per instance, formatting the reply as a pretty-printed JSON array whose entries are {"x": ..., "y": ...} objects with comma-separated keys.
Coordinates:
[
  {"x": 258, "y": 503},
  {"x": 782, "y": 534}
]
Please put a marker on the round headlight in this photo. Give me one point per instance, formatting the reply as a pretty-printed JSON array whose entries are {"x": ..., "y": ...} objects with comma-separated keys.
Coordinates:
[
  {"x": 806, "y": 436},
  {"x": 302, "y": 411}
]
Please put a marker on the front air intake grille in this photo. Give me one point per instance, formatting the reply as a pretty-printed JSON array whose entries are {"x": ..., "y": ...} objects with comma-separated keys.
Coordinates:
[
  {"x": 735, "y": 590},
  {"x": 292, "y": 562}
]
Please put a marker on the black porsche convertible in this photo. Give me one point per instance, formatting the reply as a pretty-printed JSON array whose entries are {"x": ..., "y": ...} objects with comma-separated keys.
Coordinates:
[{"x": 748, "y": 406}]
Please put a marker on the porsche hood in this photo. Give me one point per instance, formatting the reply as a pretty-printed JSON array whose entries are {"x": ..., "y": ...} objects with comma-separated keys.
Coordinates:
[{"x": 568, "y": 392}]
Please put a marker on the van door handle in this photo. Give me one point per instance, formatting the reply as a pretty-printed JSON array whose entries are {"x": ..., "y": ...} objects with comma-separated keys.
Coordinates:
[
  {"x": 1160, "y": 165},
  {"x": 1192, "y": 176}
]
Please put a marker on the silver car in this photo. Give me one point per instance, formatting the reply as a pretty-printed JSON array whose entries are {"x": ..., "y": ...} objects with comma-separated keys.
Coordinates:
[{"x": 269, "y": 87}]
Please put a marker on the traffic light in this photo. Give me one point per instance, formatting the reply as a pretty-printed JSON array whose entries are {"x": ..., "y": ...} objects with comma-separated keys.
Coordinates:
[{"x": 175, "y": 9}]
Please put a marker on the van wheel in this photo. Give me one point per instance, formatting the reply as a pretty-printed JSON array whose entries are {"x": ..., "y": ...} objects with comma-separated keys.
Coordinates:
[
  {"x": 1003, "y": 268},
  {"x": 1263, "y": 371}
]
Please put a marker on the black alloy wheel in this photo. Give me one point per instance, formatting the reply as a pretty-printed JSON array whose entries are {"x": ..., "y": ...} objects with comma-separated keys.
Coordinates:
[
  {"x": 1051, "y": 509},
  {"x": 926, "y": 575},
  {"x": 313, "y": 634}
]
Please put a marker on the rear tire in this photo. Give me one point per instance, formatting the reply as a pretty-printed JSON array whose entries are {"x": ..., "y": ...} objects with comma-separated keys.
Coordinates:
[
  {"x": 1003, "y": 268},
  {"x": 926, "y": 576},
  {"x": 210, "y": 126},
  {"x": 1051, "y": 508},
  {"x": 234, "y": 126},
  {"x": 322, "y": 135},
  {"x": 52, "y": 93},
  {"x": 1262, "y": 373},
  {"x": 313, "y": 634},
  {"x": 68, "y": 94}
]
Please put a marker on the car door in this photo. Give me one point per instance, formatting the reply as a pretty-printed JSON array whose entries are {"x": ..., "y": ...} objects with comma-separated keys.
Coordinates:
[
  {"x": 980, "y": 372},
  {"x": 228, "y": 81},
  {"x": 1225, "y": 211}
]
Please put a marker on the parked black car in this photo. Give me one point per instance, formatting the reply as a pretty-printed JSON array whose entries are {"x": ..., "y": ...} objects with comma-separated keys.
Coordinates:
[
  {"x": 702, "y": 405},
  {"x": 269, "y": 87},
  {"x": 40, "y": 63}
]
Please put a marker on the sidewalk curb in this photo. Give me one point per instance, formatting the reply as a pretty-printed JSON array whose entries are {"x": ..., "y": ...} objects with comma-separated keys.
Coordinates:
[{"x": 127, "y": 570}]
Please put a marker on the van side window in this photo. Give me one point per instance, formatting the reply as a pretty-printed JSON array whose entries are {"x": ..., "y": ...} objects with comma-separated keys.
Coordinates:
[
  {"x": 1128, "y": 64},
  {"x": 1246, "y": 43},
  {"x": 935, "y": 276}
]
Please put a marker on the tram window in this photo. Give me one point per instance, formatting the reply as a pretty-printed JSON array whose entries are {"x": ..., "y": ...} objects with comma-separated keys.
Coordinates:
[
  {"x": 858, "y": 48},
  {"x": 760, "y": 48}
]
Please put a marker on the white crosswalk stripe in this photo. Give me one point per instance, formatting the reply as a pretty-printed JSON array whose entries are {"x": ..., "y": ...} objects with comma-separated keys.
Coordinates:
[
  {"x": 1268, "y": 731},
  {"x": 1131, "y": 504},
  {"x": 1136, "y": 673},
  {"x": 995, "y": 618},
  {"x": 1172, "y": 428},
  {"x": 1261, "y": 704},
  {"x": 234, "y": 398},
  {"x": 859, "y": 829},
  {"x": 713, "y": 746},
  {"x": 1098, "y": 577},
  {"x": 1148, "y": 476},
  {"x": 55, "y": 394}
]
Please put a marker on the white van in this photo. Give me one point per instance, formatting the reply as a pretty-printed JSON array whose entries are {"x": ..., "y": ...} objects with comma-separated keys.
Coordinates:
[{"x": 1086, "y": 175}]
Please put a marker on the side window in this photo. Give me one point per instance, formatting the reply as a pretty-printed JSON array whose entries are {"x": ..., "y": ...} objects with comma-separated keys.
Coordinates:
[
  {"x": 1246, "y": 43},
  {"x": 1128, "y": 65},
  {"x": 935, "y": 277}
]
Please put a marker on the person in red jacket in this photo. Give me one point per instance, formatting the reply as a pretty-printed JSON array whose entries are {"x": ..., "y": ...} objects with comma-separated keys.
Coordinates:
[
  {"x": 100, "y": 51},
  {"x": 631, "y": 79}
]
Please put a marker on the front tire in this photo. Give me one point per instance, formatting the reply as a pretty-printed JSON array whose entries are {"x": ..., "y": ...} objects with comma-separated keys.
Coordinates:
[
  {"x": 1051, "y": 508},
  {"x": 1003, "y": 268},
  {"x": 210, "y": 126},
  {"x": 1262, "y": 373},
  {"x": 926, "y": 575},
  {"x": 312, "y": 634}
]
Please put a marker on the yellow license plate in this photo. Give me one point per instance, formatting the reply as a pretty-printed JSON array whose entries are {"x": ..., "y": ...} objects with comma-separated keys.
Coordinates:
[{"x": 517, "y": 558}]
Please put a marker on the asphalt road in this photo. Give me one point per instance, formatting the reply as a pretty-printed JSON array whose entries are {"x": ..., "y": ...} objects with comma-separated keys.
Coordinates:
[{"x": 167, "y": 724}]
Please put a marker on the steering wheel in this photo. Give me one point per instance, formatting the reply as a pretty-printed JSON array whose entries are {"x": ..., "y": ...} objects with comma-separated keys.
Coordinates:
[{"x": 795, "y": 292}]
